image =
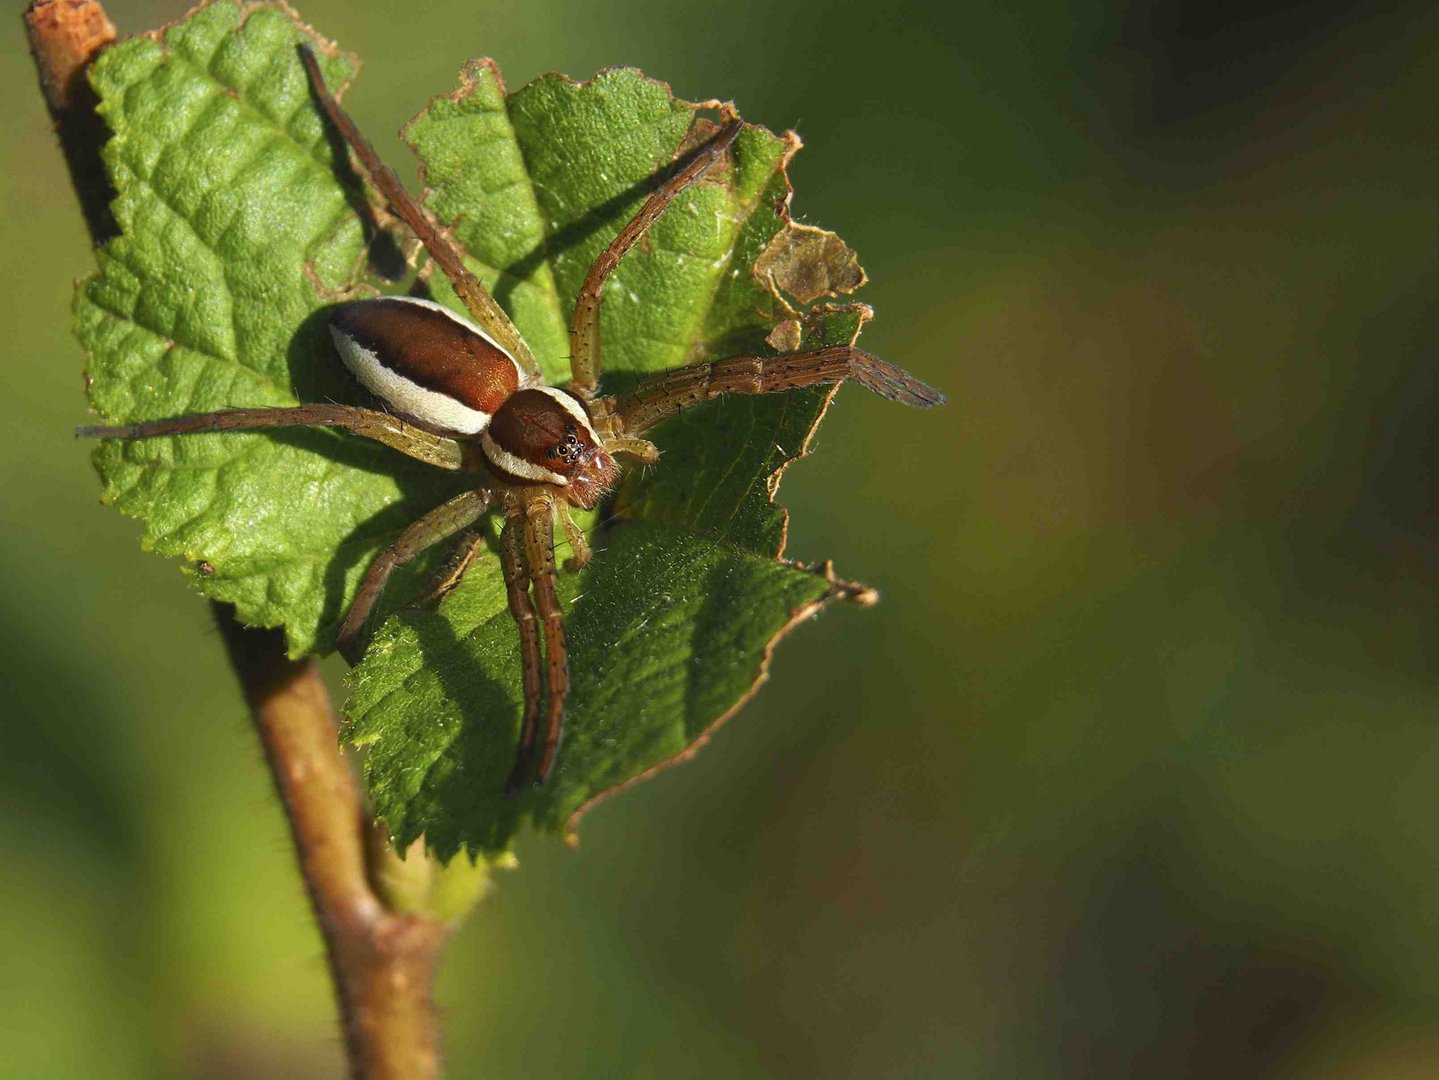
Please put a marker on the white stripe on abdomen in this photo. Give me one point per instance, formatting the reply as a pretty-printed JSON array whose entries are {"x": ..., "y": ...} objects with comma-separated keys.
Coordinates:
[{"x": 404, "y": 395}]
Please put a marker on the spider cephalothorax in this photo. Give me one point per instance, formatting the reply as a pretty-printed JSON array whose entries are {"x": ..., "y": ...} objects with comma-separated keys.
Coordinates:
[
  {"x": 544, "y": 434},
  {"x": 469, "y": 397}
]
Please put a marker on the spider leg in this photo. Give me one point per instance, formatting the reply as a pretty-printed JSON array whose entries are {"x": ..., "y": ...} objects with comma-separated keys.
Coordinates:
[
  {"x": 517, "y": 589},
  {"x": 482, "y": 306},
  {"x": 540, "y": 553},
  {"x": 640, "y": 450},
  {"x": 415, "y": 442},
  {"x": 527, "y": 555},
  {"x": 457, "y": 566},
  {"x": 669, "y": 392},
  {"x": 445, "y": 520},
  {"x": 585, "y": 325},
  {"x": 579, "y": 546}
]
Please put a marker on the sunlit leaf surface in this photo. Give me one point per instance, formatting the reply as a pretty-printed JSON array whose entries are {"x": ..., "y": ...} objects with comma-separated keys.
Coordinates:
[{"x": 242, "y": 222}]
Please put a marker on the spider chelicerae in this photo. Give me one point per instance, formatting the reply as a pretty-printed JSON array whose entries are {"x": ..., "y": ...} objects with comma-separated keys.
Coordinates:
[{"x": 469, "y": 396}]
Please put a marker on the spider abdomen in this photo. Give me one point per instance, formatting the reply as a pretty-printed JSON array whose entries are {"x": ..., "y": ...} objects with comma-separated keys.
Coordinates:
[{"x": 425, "y": 361}]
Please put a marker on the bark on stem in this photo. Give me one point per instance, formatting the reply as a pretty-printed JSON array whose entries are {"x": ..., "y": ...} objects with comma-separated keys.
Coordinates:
[
  {"x": 65, "y": 36},
  {"x": 382, "y": 963}
]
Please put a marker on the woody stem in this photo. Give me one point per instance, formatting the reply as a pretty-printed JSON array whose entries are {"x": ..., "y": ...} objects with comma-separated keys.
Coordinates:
[{"x": 382, "y": 962}]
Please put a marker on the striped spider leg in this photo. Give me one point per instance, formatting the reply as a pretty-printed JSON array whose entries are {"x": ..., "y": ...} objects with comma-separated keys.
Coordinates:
[
  {"x": 467, "y": 395},
  {"x": 658, "y": 398}
]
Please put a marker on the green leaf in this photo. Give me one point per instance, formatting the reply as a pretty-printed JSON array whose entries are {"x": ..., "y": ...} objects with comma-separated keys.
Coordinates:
[
  {"x": 232, "y": 214},
  {"x": 241, "y": 224}
]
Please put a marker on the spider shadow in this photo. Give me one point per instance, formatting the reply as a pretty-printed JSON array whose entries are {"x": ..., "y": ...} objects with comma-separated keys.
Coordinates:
[
  {"x": 384, "y": 255},
  {"x": 577, "y": 232}
]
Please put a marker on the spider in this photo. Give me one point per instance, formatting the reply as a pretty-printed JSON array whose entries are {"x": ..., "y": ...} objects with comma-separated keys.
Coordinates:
[{"x": 468, "y": 396}]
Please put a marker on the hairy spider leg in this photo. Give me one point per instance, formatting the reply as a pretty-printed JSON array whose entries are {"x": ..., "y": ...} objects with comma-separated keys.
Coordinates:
[
  {"x": 408, "y": 439},
  {"x": 527, "y": 553},
  {"x": 477, "y": 299},
  {"x": 585, "y": 323},
  {"x": 540, "y": 553},
  {"x": 517, "y": 589},
  {"x": 625, "y": 419},
  {"x": 466, "y": 551},
  {"x": 579, "y": 546},
  {"x": 439, "y": 524},
  {"x": 669, "y": 392}
]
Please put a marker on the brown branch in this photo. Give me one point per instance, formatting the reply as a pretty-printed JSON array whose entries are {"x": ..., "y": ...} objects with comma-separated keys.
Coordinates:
[
  {"x": 382, "y": 962},
  {"x": 65, "y": 36}
]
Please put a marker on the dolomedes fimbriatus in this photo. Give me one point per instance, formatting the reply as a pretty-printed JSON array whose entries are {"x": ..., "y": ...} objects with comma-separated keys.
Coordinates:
[{"x": 469, "y": 396}]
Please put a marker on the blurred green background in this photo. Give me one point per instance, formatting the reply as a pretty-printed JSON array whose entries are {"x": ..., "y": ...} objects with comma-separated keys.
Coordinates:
[{"x": 1133, "y": 773}]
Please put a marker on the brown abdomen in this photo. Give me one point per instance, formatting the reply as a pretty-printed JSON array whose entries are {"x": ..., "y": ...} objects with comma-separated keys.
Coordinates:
[{"x": 425, "y": 361}]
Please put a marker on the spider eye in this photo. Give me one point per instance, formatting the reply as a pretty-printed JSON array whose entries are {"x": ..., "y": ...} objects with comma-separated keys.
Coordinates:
[{"x": 569, "y": 449}]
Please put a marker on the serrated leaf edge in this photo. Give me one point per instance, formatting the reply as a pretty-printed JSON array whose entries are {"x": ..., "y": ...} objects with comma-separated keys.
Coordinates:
[{"x": 838, "y": 590}]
